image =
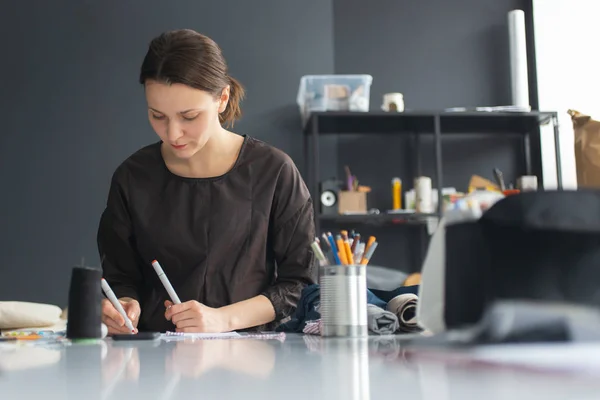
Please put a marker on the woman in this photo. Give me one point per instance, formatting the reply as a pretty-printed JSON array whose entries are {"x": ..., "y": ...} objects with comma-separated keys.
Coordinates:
[{"x": 228, "y": 217}]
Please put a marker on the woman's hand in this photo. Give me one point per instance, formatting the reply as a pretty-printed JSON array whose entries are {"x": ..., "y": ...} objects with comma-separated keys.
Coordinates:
[
  {"x": 192, "y": 316},
  {"x": 114, "y": 321}
]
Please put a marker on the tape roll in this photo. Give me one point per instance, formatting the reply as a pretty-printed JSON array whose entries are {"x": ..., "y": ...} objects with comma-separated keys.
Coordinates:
[{"x": 328, "y": 198}]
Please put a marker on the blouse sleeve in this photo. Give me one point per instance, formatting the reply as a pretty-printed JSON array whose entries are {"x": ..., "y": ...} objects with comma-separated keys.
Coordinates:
[
  {"x": 119, "y": 261},
  {"x": 293, "y": 231}
]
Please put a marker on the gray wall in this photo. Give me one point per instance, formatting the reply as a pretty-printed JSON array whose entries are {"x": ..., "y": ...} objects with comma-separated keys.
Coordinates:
[
  {"x": 439, "y": 54},
  {"x": 72, "y": 110}
]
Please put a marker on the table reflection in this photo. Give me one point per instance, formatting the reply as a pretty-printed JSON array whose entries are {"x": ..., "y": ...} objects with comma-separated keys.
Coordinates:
[
  {"x": 25, "y": 358},
  {"x": 194, "y": 358},
  {"x": 119, "y": 364}
]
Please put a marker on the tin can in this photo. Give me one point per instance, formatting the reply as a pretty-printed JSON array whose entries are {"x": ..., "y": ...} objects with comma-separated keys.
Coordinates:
[
  {"x": 423, "y": 195},
  {"x": 343, "y": 305}
]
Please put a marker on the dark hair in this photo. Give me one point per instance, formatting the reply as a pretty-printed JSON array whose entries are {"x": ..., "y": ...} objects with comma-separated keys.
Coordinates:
[{"x": 190, "y": 58}]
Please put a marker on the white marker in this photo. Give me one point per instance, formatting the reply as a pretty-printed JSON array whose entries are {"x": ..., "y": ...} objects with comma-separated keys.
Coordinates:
[
  {"x": 165, "y": 281},
  {"x": 113, "y": 299}
]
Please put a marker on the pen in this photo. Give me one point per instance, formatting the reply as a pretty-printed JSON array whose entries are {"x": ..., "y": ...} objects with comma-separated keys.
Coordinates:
[
  {"x": 165, "y": 281},
  {"x": 113, "y": 299},
  {"x": 355, "y": 242},
  {"x": 326, "y": 248},
  {"x": 318, "y": 253},
  {"x": 334, "y": 249},
  {"x": 360, "y": 250}
]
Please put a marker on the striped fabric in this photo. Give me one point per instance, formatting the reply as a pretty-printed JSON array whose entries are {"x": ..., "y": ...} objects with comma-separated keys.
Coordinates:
[{"x": 312, "y": 327}]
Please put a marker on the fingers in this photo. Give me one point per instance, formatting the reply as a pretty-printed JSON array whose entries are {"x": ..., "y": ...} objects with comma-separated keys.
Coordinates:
[
  {"x": 178, "y": 308},
  {"x": 115, "y": 321},
  {"x": 189, "y": 323},
  {"x": 188, "y": 329},
  {"x": 110, "y": 315},
  {"x": 189, "y": 314},
  {"x": 132, "y": 309},
  {"x": 113, "y": 327}
]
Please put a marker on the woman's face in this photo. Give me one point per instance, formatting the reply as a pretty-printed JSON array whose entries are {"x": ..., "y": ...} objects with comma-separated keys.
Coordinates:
[{"x": 183, "y": 117}]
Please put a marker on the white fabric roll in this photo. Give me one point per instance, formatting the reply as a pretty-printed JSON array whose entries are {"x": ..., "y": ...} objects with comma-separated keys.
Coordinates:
[{"x": 517, "y": 43}]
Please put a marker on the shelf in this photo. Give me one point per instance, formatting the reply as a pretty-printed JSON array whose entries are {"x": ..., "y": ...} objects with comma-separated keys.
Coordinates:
[
  {"x": 378, "y": 219},
  {"x": 376, "y": 122}
]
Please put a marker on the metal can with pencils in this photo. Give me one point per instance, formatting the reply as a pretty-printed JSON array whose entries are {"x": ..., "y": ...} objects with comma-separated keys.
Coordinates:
[
  {"x": 343, "y": 305},
  {"x": 423, "y": 195}
]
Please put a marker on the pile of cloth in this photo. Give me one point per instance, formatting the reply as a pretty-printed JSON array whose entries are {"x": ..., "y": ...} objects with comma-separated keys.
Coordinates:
[{"x": 388, "y": 311}]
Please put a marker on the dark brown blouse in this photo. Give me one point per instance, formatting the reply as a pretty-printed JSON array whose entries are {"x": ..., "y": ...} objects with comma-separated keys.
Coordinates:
[{"x": 219, "y": 240}]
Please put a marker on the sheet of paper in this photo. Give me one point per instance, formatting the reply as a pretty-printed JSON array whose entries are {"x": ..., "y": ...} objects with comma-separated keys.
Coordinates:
[{"x": 173, "y": 335}]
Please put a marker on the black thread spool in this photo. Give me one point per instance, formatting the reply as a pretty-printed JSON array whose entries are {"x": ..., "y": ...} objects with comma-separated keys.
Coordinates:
[{"x": 85, "y": 295}]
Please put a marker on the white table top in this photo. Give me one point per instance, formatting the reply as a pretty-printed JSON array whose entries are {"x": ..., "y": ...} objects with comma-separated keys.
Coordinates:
[{"x": 300, "y": 367}]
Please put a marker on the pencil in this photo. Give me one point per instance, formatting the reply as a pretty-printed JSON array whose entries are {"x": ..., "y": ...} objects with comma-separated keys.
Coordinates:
[
  {"x": 369, "y": 244},
  {"x": 341, "y": 250},
  {"x": 369, "y": 254},
  {"x": 349, "y": 257}
]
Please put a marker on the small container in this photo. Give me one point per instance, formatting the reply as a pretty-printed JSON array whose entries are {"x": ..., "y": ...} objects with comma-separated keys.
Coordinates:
[
  {"x": 396, "y": 194},
  {"x": 343, "y": 300},
  {"x": 393, "y": 102},
  {"x": 527, "y": 183},
  {"x": 352, "y": 202},
  {"x": 333, "y": 93},
  {"x": 423, "y": 195}
]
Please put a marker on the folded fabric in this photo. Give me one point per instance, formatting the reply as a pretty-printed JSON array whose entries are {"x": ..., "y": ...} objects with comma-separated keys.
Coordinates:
[
  {"x": 380, "y": 321},
  {"x": 404, "y": 307},
  {"x": 306, "y": 310},
  {"x": 19, "y": 314},
  {"x": 312, "y": 327},
  {"x": 387, "y": 295},
  {"x": 59, "y": 327},
  {"x": 376, "y": 301},
  {"x": 384, "y": 278}
]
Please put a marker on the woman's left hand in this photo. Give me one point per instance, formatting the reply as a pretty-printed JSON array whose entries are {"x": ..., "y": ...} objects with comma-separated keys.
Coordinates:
[{"x": 192, "y": 316}]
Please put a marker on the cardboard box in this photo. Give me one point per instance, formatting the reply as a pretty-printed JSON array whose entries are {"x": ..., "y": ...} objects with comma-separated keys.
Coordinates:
[
  {"x": 587, "y": 149},
  {"x": 352, "y": 202}
]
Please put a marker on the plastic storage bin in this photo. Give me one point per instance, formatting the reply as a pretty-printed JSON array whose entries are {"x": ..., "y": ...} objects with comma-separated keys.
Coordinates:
[{"x": 333, "y": 93}]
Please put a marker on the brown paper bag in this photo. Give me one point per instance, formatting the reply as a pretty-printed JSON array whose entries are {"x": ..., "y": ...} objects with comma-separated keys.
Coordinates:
[{"x": 587, "y": 149}]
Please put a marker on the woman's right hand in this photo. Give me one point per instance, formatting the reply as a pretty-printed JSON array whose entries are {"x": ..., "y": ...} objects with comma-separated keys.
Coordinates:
[{"x": 114, "y": 321}]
